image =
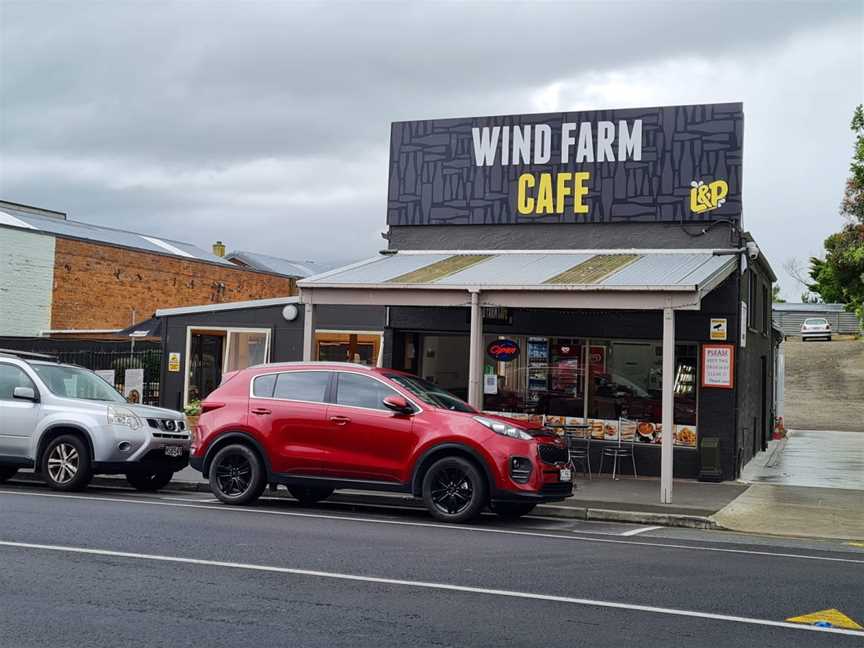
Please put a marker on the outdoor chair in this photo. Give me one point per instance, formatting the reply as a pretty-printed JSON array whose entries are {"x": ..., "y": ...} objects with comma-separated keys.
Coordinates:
[
  {"x": 578, "y": 442},
  {"x": 621, "y": 451}
]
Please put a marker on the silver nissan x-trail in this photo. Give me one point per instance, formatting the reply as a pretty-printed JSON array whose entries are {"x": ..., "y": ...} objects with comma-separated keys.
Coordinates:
[{"x": 69, "y": 424}]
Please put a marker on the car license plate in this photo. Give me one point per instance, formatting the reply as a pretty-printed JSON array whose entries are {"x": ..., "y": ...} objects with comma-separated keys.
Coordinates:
[
  {"x": 173, "y": 451},
  {"x": 566, "y": 474}
]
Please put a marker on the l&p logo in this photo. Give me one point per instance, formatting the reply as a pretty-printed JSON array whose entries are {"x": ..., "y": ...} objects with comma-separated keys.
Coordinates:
[{"x": 705, "y": 197}]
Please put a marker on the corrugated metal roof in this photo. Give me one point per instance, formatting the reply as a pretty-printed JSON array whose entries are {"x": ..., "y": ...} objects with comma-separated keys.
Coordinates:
[
  {"x": 809, "y": 308},
  {"x": 635, "y": 269},
  {"x": 277, "y": 265},
  {"x": 111, "y": 236}
]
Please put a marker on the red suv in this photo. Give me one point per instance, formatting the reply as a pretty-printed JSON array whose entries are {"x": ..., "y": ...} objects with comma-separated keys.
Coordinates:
[{"x": 316, "y": 427}]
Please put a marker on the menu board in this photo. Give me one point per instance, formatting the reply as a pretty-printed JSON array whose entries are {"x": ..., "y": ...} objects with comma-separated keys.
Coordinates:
[{"x": 717, "y": 365}]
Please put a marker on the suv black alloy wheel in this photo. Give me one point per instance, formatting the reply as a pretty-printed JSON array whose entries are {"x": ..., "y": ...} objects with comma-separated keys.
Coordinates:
[
  {"x": 236, "y": 475},
  {"x": 454, "y": 490}
]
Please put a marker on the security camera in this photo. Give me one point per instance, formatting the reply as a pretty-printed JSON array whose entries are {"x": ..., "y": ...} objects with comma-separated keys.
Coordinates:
[{"x": 752, "y": 251}]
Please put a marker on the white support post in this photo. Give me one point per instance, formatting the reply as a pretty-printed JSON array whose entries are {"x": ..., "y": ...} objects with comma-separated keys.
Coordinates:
[
  {"x": 668, "y": 405},
  {"x": 308, "y": 332},
  {"x": 586, "y": 367},
  {"x": 475, "y": 361}
]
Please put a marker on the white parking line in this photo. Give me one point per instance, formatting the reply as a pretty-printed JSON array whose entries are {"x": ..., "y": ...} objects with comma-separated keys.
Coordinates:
[
  {"x": 633, "y": 532},
  {"x": 443, "y": 527},
  {"x": 430, "y": 585}
]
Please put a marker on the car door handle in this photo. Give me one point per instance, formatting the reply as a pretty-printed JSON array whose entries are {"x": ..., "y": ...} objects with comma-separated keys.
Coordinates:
[
  {"x": 261, "y": 411},
  {"x": 340, "y": 420}
]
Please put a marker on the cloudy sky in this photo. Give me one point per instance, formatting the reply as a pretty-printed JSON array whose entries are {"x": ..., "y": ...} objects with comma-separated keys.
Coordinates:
[{"x": 266, "y": 124}]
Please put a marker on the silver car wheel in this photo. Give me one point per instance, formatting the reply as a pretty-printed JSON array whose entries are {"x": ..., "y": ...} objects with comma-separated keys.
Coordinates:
[{"x": 63, "y": 463}]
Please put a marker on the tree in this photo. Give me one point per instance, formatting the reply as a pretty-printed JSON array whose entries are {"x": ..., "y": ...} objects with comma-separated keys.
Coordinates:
[
  {"x": 839, "y": 277},
  {"x": 775, "y": 295}
]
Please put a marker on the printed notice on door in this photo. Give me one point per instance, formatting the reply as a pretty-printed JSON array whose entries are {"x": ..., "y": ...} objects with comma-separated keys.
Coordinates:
[{"x": 717, "y": 365}]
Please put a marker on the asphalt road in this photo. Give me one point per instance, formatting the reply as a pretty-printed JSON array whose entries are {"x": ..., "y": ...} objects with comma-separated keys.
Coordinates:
[{"x": 115, "y": 568}]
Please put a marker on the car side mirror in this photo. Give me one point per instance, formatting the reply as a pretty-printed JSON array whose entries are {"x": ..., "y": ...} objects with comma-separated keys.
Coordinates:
[
  {"x": 398, "y": 405},
  {"x": 25, "y": 393}
]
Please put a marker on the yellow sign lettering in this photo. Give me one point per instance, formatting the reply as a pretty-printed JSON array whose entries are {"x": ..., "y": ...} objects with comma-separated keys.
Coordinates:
[
  {"x": 580, "y": 191},
  {"x": 545, "y": 204},
  {"x": 524, "y": 202}
]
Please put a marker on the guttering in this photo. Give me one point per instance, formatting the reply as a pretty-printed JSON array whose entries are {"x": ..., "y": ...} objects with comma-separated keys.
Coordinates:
[
  {"x": 597, "y": 251},
  {"x": 65, "y": 331},
  {"x": 207, "y": 308},
  {"x": 509, "y": 287}
]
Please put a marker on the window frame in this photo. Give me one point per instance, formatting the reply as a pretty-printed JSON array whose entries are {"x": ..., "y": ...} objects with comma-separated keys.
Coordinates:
[
  {"x": 33, "y": 384},
  {"x": 335, "y": 386},
  {"x": 328, "y": 389},
  {"x": 226, "y": 349}
]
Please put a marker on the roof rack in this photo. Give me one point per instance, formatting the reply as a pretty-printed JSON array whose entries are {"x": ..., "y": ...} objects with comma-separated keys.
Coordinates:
[{"x": 29, "y": 355}]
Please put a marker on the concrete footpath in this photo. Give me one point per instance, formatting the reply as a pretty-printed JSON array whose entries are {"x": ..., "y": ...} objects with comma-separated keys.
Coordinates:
[{"x": 809, "y": 485}]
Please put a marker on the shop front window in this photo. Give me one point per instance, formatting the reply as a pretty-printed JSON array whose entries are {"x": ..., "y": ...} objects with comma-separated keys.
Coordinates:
[
  {"x": 246, "y": 349},
  {"x": 215, "y": 351},
  {"x": 360, "y": 348},
  {"x": 546, "y": 381}
]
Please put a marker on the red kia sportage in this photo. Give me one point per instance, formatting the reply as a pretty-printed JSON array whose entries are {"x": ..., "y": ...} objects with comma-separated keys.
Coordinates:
[{"x": 316, "y": 427}]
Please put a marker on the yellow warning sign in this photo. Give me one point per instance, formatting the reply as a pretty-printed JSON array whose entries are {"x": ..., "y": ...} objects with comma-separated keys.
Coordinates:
[{"x": 835, "y": 617}]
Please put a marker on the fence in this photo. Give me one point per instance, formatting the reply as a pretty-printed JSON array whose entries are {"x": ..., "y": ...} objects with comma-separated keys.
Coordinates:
[{"x": 118, "y": 362}]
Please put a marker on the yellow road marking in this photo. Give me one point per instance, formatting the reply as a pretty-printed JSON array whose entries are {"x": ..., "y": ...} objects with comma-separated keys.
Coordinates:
[
  {"x": 835, "y": 617},
  {"x": 856, "y": 544}
]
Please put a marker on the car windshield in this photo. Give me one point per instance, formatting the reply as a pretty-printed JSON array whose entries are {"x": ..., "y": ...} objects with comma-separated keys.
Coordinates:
[
  {"x": 431, "y": 393},
  {"x": 816, "y": 321},
  {"x": 76, "y": 382}
]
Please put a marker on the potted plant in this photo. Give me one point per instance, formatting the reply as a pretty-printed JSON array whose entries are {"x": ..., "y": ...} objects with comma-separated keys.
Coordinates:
[{"x": 192, "y": 412}]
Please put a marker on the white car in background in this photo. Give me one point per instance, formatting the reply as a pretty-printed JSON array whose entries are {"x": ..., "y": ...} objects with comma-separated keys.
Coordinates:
[{"x": 815, "y": 328}]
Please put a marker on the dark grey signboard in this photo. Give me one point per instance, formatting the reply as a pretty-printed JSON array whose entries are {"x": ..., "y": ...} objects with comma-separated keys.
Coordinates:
[{"x": 668, "y": 164}]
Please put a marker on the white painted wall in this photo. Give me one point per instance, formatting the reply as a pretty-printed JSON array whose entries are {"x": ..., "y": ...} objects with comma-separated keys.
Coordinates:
[{"x": 26, "y": 282}]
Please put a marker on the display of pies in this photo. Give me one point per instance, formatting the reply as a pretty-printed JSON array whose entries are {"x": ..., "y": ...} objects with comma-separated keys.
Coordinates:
[
  {"x": 687, "y": 436},
  {"x": 645, "y": 430},
  {"x": 596, "y": 429},
  {"x": 628, "y": 430}
]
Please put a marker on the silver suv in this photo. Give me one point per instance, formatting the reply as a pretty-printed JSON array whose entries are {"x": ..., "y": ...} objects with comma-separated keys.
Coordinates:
[{"x": 69, "y": 424}]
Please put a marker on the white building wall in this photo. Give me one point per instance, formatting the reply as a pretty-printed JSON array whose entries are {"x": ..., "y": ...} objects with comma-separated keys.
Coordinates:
[{"x": 26, "y": 282}]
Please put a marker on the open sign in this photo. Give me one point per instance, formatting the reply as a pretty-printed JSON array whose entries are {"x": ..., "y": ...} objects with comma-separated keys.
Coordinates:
[{"x": 503, "y": 350}]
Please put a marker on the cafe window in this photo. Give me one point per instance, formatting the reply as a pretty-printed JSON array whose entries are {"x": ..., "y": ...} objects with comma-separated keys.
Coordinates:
[
  {"x": 212, "y": 351},
  {"x": 360, "y": 347},
  {"x": 546, "y": 380}
]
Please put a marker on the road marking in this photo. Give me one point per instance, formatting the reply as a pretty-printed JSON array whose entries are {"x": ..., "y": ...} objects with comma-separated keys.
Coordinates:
[
  {"x": 443, "y": 527},
  {"x": 833, "y": 616},
  {"x": 427, "y": 585},
  {"x": 633, "y": 532},
  {"x": 211, "y": 500}
]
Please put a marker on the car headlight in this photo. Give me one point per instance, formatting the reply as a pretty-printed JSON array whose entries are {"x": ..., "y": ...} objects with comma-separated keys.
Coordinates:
[
  {"x": 123, "y": 416},
  {"x": 504, "y": 429}
]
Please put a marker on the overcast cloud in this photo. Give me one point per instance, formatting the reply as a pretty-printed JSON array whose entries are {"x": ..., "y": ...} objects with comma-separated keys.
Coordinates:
[{"x": 266, "y": 124}]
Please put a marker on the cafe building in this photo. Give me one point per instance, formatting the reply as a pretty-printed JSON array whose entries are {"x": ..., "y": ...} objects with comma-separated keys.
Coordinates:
[{"x": 585, "y": 268}]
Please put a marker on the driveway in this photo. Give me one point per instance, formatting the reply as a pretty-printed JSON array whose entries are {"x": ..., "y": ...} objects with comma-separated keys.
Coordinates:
[{"x": 824, "y": 388}]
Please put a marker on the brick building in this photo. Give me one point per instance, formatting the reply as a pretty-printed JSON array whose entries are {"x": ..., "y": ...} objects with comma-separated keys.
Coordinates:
[{"x": 60, "y": 277}]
